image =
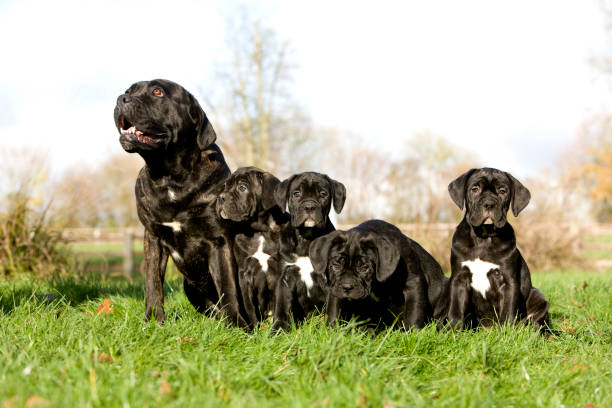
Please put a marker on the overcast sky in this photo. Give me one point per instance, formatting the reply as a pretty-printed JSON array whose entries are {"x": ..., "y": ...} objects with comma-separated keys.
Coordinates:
[{"x": 509, "y": 80}]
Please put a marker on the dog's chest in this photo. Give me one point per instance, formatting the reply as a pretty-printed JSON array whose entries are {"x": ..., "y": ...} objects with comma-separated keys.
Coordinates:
[
  {"x": 305, "y": 269},
  {"x": 260, "y": 255},
  {"x": 479, "y": 270}
]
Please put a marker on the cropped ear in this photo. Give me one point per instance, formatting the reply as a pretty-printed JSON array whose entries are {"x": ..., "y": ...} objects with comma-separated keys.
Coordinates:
[
  {"x": 205, "y": 134},
  {"x": 456, "y": 188},
  {"x": 339, "y": 195},
  {"x": 520, "y": 195},
  {"x": 318, "y": 252},
  {"x": 269, "y": 183},
  {"x": 281, "y": 193},
  {"x": 388, "y": 258}
]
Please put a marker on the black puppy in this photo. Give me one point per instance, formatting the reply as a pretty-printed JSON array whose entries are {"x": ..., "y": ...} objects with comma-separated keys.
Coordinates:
[
  {"x": 309, "y": 197},
  {"x": 379, "y": 275},
  {"x": 490, "y": 280},
  {"x": 175, "y": 195},
  {"x": 248, "y": 201}
]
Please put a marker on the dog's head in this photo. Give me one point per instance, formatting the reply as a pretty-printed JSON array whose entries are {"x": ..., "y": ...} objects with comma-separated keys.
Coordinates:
[
  {"x": 247, "y": 192},
  {"x": 488, "y": 194},
  {"x": 352, "y": 260},
  {"x": 309, "y": 197},
  {"x": 153, "y": 115}
]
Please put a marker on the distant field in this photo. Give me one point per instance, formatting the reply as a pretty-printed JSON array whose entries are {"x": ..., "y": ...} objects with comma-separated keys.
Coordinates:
[{"x": 59, "y": 352}]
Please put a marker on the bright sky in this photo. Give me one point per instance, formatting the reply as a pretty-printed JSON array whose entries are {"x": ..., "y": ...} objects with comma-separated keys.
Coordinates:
[{"x": 510, "y": 81}]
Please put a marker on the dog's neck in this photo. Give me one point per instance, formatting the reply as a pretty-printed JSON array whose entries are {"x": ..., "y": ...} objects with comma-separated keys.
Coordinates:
[
  {"x": 486, "y": 231},
  {"x": 180, "y": 163},
  {"x": 269, "y": 220}
]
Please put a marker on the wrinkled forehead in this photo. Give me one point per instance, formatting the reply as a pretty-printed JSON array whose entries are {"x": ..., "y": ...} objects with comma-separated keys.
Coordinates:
[
  {"x": 244, "y": 174},
  {"x": 361, "y": 244},
  {"x": 170, "y": 88},
  {"x": 309, "y": 181},
  {"x": 488, "y": 177}
]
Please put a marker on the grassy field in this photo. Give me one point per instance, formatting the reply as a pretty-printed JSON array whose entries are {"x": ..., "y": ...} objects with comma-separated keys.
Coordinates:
[{"x": 61, "y": 352}]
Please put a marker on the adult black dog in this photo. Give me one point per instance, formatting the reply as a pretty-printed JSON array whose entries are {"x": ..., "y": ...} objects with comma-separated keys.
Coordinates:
[
  {"x": 490, "y": 281},
  {"x": 248, "y": 200},
  {"x": 309, "y": 197},
  {"x": 379, "y": 275},
  {"x": 175, "y": 195}
]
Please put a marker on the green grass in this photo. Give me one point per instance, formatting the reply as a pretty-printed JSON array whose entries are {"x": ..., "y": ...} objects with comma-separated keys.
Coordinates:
[{"x": 51, "y": 350}]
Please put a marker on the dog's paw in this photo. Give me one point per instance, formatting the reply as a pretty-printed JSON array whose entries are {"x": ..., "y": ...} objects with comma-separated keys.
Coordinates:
[
  {"x": 155, "y": 312},
  {"x": 280, "y": 326}
]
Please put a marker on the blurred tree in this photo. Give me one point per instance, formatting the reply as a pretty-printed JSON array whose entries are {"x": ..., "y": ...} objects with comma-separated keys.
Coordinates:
[
  {"x": 419, "y": 180},
  {"x": 263, "y": 124},
  {"x": 101, "y": 196}
]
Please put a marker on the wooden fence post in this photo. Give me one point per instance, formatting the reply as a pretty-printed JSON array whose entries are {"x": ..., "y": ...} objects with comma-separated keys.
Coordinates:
[{"x": 128, "y": 253}]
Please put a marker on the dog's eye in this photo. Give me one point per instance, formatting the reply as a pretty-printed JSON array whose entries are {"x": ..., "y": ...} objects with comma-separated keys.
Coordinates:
[
  {"x": 502, "y": 190},
  {"x": 297, "y": 194},
  {"x": 323, "y": 193},
  {"x": 475, "y": 189},
  {"x": 242, "y": 188},
  {"x": 158, "y": 92}
]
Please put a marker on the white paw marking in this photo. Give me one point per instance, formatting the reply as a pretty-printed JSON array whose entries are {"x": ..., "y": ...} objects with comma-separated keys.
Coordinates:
[
  {"x": 306, "y": 269},
  {"x": 479, "y": 270},
  {"x": 176, "y": 256},
  {"x": 175, "y": 225},
  {"x": 172, "y": 195},
  {"x": 261, "y": 256}
]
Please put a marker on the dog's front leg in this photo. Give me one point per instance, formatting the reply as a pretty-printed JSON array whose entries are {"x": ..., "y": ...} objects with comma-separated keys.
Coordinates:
[
  {"x": 285, "y": 293},
  {"x": 416, "y": 306},
  {"x": 155, "y": 258},
  {"x": 223, "y": 271},
  {"x": 510, "y": 295},
  {"x": 459, "y": 297},
  {"x": 245, "y": 278},
  {"x": 333, "y": 309}
]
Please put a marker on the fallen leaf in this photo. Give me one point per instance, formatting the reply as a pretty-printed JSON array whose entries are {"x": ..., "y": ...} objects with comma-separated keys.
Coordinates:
[
  {"x": 589, "y": 405},
  {"x": 188, "y": 340},
  {"x": 388, "y": 406},
  {"x": 362, "y": 401},
  {"x": 105, "y": 307},
  {"x": 365, "y": 373},
  {"x": 35, "y": 401},
  {"x": 12, "y": 402},
  {"x": 103, "y": 358},
  {"x": 165, "y": 388},
  {"x": 591, "y": 318},
  {"x": 584, "y": 285},
  {"x": 568, "y": 329},
  {"x": 577, "y": 367}
]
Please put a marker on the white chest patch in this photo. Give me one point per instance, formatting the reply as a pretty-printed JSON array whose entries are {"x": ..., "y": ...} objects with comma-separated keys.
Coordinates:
[
  {"x": 175, "y": 225},
  {"x": 261, "y": 256},
  {"x": 171, "y": 195},
  {"x": 479, "y": 270},
  {"x": 306, "y": 269}
]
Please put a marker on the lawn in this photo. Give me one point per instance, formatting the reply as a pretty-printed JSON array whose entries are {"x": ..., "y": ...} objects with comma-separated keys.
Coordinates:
[{"x": 58, "y": 351}]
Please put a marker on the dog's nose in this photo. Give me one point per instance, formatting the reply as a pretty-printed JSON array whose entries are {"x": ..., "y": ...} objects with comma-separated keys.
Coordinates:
[
  {"x": 125, "y": 98},
  {"x": 489, "y": 204},
  {"x": 347, "y": 286},
  {"x": 222, "y": 198},
  {"x": 309, "y": 206}
]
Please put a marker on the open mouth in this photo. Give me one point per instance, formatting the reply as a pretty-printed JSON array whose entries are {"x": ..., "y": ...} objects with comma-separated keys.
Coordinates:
[
  {"x": 129, "y": 130},
  {"x": 488, "y": 221}
]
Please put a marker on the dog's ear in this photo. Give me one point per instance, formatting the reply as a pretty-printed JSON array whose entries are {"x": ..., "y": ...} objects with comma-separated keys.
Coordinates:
[
  {"x": 205, "y": 134},
  {"x": 388, "y": 258},
  {"x": 281, "y": 193},
  {"x": 520, "y": 195},
  {"x": 318, "y": 252},
  {"x": 269, "y": 183},
  {"x": 338, "y": 196},
  {"x": 456, "y": 188}
]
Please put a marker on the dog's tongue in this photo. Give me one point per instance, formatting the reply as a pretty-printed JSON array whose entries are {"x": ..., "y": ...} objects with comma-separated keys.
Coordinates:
[{"x": 488, "y": 221}]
